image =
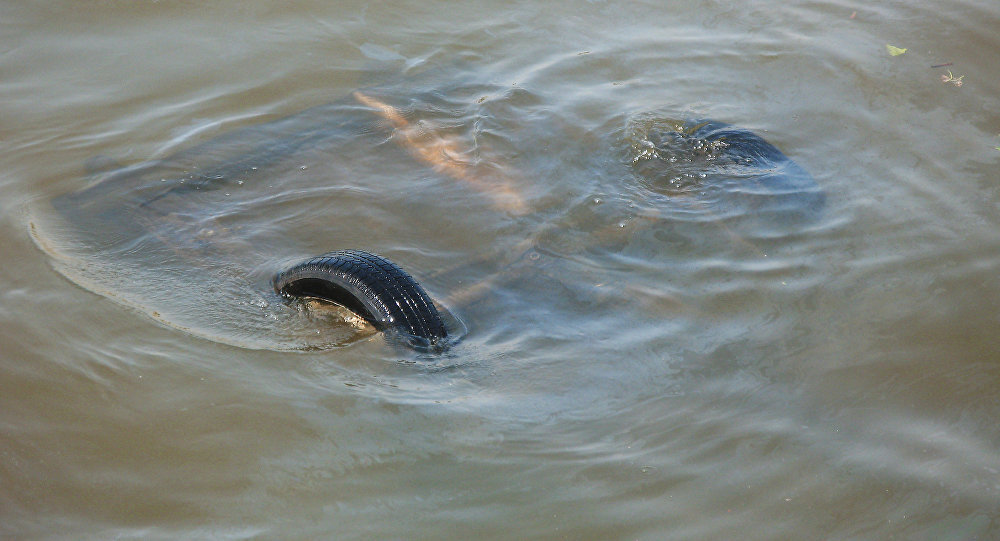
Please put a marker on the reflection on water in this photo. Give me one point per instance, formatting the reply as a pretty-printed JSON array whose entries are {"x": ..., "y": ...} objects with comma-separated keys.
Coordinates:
[{"x": 670, "y": 334}]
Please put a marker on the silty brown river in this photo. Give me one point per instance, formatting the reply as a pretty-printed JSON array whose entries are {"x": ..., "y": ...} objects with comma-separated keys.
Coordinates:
[{"x": 640, "y": 355}]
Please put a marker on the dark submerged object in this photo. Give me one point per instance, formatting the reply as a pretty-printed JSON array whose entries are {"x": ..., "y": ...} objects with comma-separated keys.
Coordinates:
[
  {"x": 727, "y": 172},
  {"x": 177, "y": 209},
  {"x": 731, "y": 171},
  {"x": 369, "y": 285}
]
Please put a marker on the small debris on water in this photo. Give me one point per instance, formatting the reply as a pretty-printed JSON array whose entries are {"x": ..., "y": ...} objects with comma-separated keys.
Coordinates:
[
  {"x": 303, "y": 167},
  {"x": 950, "y": 78},
  {"x": 895, "y": 51},
  {"x": 945, "y": 65}
]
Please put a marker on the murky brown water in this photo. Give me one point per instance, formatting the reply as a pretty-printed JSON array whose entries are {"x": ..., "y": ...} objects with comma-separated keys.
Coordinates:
[{"x": 638, "y": 359}]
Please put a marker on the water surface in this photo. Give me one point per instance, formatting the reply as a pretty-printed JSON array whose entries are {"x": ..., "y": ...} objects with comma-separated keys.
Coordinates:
[{"x": 638, "y": 364}]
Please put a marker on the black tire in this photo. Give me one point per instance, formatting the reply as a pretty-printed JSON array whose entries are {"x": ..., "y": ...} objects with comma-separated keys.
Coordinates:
[{"x": 369, "y": 285}]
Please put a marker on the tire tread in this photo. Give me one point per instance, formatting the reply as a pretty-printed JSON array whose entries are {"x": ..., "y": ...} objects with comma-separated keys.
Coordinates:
[{"x": 394, "y": 299}]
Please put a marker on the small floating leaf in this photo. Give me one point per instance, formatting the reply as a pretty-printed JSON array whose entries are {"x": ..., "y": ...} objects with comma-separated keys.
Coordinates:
[{"x": 894, "y": 51}]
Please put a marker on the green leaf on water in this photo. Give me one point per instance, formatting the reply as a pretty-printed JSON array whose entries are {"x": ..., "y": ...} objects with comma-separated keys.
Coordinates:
[{"x": 894, "y": 51}]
